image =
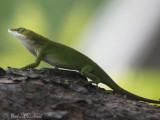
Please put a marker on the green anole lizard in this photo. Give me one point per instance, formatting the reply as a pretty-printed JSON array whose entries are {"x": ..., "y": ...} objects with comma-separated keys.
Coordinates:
[{"x": 62, "y": 56}]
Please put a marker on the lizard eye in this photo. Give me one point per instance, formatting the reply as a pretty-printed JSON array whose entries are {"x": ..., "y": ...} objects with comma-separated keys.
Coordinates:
[{"x": 21, "y": 30}]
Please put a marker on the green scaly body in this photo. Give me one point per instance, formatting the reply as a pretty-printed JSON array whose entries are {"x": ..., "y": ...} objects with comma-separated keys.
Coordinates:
[{"x": 63, "y": 56}]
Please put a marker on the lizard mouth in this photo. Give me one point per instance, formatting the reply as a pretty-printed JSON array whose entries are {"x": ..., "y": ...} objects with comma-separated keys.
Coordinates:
[
  {"x": 15, "y": 33},
  {"x": 13, "y": 30}
]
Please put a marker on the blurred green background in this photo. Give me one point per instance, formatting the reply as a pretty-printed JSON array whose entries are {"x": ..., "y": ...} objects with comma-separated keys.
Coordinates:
[
  {"x": 59, "y": 20},
  {"x": 66, "y": 21}
]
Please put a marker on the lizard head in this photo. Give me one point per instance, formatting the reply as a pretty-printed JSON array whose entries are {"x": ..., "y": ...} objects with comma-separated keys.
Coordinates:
[
  {"x": 27, "y": 37},
  {"x": 19, "y": 33},
  {"x": 24, "y": 35}
]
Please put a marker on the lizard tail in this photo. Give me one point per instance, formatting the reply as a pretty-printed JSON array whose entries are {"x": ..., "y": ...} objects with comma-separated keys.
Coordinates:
[
  {"x": 136, "y": 97},
  {"x": 129, "y": 95}
]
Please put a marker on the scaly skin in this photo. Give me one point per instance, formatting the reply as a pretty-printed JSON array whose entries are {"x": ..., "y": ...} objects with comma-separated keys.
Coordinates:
[{"x": 63, "y": 56}]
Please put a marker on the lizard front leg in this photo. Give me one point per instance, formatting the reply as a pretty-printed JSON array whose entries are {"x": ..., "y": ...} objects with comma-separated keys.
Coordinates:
[{"x": 36, "y": 63}]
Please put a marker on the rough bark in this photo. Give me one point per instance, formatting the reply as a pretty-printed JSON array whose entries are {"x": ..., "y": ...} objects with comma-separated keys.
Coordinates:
[{"x": 51, "y": 94}]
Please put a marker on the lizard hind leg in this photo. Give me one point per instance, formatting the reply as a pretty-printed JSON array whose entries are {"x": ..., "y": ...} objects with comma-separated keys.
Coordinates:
[
  {"x": 87, "y": 71},
  {"x": 56, "y": 68}
]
